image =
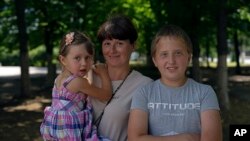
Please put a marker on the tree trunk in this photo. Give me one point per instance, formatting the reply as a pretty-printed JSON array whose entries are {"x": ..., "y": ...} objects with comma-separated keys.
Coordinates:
[
  {"x": 222, "y": 81},
  {"x": 207, "y": 53},
  {"x": 196, "y": 72},
  {"x": 237, "y": 53},
  {"x": 23, "y": 41},
  {"x": 149, "y": 61},
  {"x": 48, "y": 35},
  {"x": 48, "y": 41}
]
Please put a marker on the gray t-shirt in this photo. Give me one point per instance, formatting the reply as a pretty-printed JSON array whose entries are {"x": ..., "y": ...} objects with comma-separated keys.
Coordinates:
[{"x": 174, "y": 110}]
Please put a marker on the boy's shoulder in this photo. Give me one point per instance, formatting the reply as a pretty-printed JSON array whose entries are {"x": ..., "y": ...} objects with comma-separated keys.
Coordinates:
[
  {"x": 151, "y": 84},
  {"x": 139, "y": 76},
  {"x": 194, "y": 83}
]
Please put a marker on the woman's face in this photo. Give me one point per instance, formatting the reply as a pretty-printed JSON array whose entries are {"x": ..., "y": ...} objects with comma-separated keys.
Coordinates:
[
  {"x": 171, "y": 58},
  {"x": 117, "y": 52}
]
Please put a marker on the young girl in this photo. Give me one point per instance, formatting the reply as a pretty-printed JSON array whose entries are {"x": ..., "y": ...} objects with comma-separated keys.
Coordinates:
[
  {"x": 174, "y": 107},
  {"x": 70, "y": 115}
]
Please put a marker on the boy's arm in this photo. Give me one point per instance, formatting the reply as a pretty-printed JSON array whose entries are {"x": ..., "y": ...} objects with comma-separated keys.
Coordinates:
[
  {"x": 211, "y": 129},
  {"x": 138, "y": 130}
]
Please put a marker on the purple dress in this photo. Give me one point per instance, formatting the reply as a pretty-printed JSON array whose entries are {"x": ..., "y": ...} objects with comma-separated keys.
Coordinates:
[{"x": 69, "y": 117}]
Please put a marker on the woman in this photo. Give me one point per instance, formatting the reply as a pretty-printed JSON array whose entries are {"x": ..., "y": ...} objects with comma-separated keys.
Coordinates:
[{"x": 117, "y": 36}]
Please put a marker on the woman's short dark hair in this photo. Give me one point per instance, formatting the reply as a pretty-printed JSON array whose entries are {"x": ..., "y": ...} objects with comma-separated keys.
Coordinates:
[{"x": 117, "y": 27}]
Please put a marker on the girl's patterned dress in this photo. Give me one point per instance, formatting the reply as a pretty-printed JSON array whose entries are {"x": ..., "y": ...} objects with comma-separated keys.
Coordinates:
[{"x": 69, "y": 118}]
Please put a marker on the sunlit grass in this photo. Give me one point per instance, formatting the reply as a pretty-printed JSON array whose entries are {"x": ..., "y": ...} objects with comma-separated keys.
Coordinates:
[
  {"x": 229, "y": 64},
  {"x": 202, "y": 64}
]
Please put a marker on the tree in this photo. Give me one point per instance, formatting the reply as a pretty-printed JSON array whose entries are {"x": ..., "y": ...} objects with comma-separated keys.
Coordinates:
[
  {"x": 23, "y": 42},
  {"x": 222, "y": 81},
  {"x": 237, "y": 52},
  {"x": 238, "y": 23},
  {"x": 49, "y": 30}
]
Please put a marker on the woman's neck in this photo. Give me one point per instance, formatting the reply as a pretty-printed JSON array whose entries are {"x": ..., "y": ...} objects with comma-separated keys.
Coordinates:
[{"x": 118, "y": 73}]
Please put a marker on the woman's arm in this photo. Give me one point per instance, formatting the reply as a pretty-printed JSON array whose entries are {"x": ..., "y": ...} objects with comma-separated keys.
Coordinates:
[
  {"x": 138, "y": 130},
  {"x": 211, "y": 129}
]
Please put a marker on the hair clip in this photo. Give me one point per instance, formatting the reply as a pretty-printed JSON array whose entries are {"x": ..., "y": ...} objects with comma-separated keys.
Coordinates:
[{"x": 69, "y": 38}]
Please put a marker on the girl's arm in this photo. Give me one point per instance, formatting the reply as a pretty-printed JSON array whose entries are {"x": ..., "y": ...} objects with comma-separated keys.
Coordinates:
[
  {"x": 82, "y": 84},
  {"x": 101, "y": 70},
  {"x": 211, "y": 129},
  {"x": 138, "y": 130}
]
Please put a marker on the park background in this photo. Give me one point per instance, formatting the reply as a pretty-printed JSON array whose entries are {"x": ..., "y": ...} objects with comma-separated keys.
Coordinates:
[{"x": 30, "y": 32}]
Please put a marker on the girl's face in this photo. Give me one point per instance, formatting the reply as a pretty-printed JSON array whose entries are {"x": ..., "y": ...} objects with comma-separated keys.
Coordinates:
[
  {"x": 172, "y": 59},
  {"x": 78, "y": 61},
  {"x": 117, "y": 52}
]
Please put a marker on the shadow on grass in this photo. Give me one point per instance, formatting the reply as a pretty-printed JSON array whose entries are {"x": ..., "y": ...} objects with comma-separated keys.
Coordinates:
[
  {"x": 20, "y": 125},
  {"x": 21, "y": 118}
]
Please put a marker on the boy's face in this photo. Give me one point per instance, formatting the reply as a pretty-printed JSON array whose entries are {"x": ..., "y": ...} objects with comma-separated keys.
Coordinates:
[{"x": 172, "y": 59}]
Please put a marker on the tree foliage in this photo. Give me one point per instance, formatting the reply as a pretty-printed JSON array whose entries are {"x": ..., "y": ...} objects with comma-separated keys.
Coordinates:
[
  {"x": 198, "y": 18},
  {"x": 48, "y": 20}
]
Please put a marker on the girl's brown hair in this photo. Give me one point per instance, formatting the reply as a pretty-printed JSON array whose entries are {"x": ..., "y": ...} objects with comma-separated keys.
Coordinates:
[{"x": 75, "y": 38}]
